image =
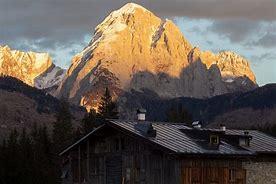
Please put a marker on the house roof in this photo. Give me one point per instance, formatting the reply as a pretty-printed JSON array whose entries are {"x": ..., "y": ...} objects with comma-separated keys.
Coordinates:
[
  {"x": 180, "y": 139},
  {"x": 172, "y": 137}
]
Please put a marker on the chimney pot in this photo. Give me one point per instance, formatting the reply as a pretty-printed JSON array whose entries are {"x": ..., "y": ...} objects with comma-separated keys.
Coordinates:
[
  {"x": 223, "y": 127},
  {"x": 141, "y": 114}
]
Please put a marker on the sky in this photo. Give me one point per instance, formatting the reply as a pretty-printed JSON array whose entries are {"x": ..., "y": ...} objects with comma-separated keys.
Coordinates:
[{"x": 64, "y": 27}]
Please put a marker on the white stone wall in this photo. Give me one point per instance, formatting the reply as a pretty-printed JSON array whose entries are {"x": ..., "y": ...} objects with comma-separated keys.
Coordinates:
[{"x": 260, "y": 172}]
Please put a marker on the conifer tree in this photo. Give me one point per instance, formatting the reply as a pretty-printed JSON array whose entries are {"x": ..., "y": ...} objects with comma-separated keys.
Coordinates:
[
  {"x": 3, "y": 148},
  {"x": 107, "y": 108},
  {"x": 63, "y": 129},
  {"x": 25, "y": 159},
  {"x": 90, "y": 121},
  {"x": 47, "y": 162},
  {"x": 179, "y": 115},
  {"x": 12, "y": 163},
  {"x": 77, "y": 134}
]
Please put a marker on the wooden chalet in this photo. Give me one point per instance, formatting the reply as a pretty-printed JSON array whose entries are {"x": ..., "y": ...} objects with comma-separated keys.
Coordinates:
[{"x": 143, "y": 152}]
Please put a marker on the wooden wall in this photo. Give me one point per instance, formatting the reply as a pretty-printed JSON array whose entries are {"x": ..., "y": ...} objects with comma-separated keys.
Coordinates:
[
  {"x": 213, "y": 171},
  {"x": 115, "y": 158}
]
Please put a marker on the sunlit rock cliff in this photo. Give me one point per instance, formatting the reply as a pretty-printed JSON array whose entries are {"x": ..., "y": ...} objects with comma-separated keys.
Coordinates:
[
  {"x": 134, "y": 50},
  {"x": 35, "y": 69}
]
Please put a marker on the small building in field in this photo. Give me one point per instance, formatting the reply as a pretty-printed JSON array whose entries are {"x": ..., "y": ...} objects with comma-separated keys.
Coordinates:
[{"x": 143, "y": 152}]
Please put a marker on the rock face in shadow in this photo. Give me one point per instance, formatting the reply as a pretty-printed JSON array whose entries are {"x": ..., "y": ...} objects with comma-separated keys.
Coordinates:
[
  {"x": 132, "y": 49},
  {"x": 194, "y": 81}
]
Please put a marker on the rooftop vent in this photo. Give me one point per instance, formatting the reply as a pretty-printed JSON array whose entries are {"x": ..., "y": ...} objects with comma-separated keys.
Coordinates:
[
  {"x": 141, "y": 114},
  {"x": 197, "y": 124},
  {"x": 146, "y": 129}
]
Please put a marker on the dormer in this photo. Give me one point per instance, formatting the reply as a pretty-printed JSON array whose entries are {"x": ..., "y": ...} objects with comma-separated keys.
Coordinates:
[
  {"x": 214, "y": 139},
  {"x": 244, "y": 140},
  {"x": 146, "y": 129}
]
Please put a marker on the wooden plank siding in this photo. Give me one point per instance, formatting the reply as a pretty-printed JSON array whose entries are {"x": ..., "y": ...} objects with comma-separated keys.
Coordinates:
[
  {"x": 213, "y": 171},
  {"x": 116, "y": 158}
]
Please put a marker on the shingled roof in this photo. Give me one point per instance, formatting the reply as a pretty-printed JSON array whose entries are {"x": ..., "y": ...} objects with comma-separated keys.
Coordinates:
[{"x": 180, "y": 139}]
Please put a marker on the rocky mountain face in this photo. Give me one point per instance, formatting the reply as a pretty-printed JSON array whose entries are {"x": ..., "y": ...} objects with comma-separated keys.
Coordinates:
[
  {"x": 35, "y": 69},
  {"x": 134, "y": 50}
]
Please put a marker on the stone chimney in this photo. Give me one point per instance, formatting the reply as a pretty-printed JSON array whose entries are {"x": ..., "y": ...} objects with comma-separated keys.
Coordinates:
[
  {"x": 141, "y": 114},
  {"x": 223, "y": 127}
]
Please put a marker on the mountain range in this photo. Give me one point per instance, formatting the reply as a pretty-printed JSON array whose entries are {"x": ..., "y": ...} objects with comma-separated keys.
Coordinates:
[
  {"x": 35, "y": 69},
  {"x": 145, "y": 61}
]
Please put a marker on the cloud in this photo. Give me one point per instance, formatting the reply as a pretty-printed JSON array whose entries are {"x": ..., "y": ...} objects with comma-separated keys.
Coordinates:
[
  {"x": 261, "y": 10},
  {"x": 236, "y": 30},
  {"x": 265, "y": 57},
  {"x": 210, "y": 42},
  {"x": 64, "y": 27},
  {"x": 268, "y": 40},
  {"x": 53, "y": 23}
]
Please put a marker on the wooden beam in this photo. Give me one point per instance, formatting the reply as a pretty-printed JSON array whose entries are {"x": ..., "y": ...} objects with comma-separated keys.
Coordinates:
[
  {"x": 87, "y": 166},
  {"x": 70, "y": 169},
  {"x": 79, "y": 165}
]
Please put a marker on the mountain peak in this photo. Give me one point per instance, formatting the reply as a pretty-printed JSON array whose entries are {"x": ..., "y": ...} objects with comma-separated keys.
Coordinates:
[
  {"x": 133, "y": 49},
  {"x": 130, "y": 7},
  {"x": 118, "y": 19}
]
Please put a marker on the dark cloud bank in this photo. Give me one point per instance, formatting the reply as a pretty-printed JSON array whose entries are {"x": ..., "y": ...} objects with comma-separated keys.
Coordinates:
[{"x": 55, "y": 24}]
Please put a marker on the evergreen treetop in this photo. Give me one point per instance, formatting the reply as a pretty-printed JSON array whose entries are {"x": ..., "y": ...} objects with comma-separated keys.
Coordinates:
[{"x": 107, "y": 108}]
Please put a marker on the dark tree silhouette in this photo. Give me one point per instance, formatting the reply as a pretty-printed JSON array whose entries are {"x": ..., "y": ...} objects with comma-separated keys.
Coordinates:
[
  {"x": 91, "y": 121},
  {"x": 28, "y": 158},
  {"x": 179, "y": 115},
  {"x": 63, "y": 129},
  {"x": 108, "y": 108}
]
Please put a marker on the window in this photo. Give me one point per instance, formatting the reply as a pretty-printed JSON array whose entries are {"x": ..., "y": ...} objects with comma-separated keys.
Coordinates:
[
  {"x": 214, "y": 139},
  {"x": 128, "y": 174},
  {"x": 232, "y": 174},
  {"x": 123, "y": 144},
  {"x": 244, "y": 141},
  {"x": 119, "y": 144},
  {"x": 64, "y": 174},
  {"x": 100, "y": 146}
]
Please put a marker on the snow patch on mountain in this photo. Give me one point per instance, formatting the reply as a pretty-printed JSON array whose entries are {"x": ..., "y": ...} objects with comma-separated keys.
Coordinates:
[
  {"x": 157, "y": 35},
  {"x": 50, "y": 78},
  {"x": 229, "y": 80}
]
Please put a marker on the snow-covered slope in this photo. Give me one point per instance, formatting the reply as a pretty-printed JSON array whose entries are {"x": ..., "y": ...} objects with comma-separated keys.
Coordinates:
[
  {"x": 51, "y": 78},
  {"x": 132, "y": 49},
  {"x": 35, "y": 69}
]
